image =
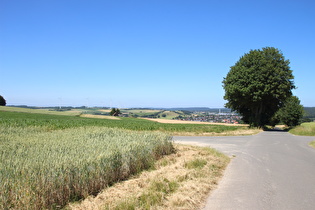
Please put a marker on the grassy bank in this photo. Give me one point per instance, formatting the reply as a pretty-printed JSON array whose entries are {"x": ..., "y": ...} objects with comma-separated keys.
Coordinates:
[
  {"x": 44, "y": 169},
  {"x": 305, "y": 129},
  {"x": 180, "y": 181}
]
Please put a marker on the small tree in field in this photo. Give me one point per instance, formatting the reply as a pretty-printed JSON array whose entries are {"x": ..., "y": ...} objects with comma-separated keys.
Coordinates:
[
  {"x": 291, "y": 113},
  {"x": 258, "y": 85},
  {"x": 2, "y": 101},
  {"x": 115, "y": 112}
]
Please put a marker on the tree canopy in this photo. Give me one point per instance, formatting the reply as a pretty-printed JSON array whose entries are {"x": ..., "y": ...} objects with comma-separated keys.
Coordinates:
[
  {"x": 2, "y": 101},
  {"x": 115, "y": 112},
  {"x": 291, "y": 113},
  {"x": 258, "y": 85}
]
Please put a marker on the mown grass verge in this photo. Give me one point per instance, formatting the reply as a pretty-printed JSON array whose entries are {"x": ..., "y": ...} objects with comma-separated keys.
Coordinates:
[
  {"x": 180, "y": 181},
  {"x": 305, "y": 129},
  {"x": 42, "y": 169}
]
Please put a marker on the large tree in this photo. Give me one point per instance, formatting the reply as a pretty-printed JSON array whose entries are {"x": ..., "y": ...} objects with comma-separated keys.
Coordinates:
[
  {"x": 2, "y": 101},
  {"x": 258, "y": 85}
]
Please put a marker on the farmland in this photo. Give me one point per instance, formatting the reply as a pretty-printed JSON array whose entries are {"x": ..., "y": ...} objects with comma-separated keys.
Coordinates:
[
  {"x": 47, "y": 162},
  {"x": 40, "y": 111},
  {"x": 52, "y": 122}
]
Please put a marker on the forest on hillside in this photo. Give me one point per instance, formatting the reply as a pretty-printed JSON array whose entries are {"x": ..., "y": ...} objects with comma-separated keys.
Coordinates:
[{"x": 309, "y": 112}]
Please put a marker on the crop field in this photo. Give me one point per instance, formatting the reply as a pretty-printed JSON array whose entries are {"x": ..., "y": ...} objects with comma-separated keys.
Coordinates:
[
  {"x": 169, "y": 115},
  {"x": 40, "y": 111},
  {"x": 137, "y": 111},
  {"x": 179, "y": 181},
  {"x": 43, "y": 168},
  {"x": 48, "y": 160},
  {"x": 53, "y": 122}
]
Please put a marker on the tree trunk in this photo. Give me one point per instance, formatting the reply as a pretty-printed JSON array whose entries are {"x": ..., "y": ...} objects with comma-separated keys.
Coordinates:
[{"x": 258, "y": 115}]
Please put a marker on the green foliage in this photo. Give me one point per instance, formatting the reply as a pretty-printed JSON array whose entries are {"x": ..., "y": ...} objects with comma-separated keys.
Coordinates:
[
  {"x": 115, "y": 112},
  {"x": 291, "y": 113},
  {"x": 312, "y": 144},
  {"x": 309, "y": 112},
  {"x": 258, "y": 84},
  {"x": 2, "y": 101}
]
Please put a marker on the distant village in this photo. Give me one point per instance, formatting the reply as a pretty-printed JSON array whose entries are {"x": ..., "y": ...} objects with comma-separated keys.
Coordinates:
[
  {"x": 214, "y": 116},
  {"x": 231, "y": 117}
]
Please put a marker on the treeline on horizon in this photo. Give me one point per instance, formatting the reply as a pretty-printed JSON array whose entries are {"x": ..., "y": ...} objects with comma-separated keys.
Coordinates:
[
  {"x": 309, "y": 112},
  {"x": 190, "y": 109}
]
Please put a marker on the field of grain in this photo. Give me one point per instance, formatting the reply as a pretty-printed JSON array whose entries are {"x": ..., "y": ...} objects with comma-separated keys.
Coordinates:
[
  {"x": 168, "y": 115},
  {"x": 144, "y": 111},
  {"x": 100, "y": 116},
  {"x": 52, "y": 122},
  {"x": 181, "y": 180},
  {"x": 48, "y": 160},
  {"x": 47, "y": 169},
  {"x": 75, "y": 112}
]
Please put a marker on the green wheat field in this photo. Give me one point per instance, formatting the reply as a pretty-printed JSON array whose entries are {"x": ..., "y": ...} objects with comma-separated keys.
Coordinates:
[{"x": 48, "y": 161}]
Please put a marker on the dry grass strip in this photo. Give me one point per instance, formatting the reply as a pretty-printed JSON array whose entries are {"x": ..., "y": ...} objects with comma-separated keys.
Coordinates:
[
  {"x": 179, "y": 181},
  {"x": 191, "y": 122},
  {"x": 99, "y": 116},
  {"x": 242, "y": 132}
]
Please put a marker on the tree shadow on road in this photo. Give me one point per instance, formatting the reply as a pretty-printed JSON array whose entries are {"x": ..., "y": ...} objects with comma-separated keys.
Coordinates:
[{"x": 276, "y": 129}]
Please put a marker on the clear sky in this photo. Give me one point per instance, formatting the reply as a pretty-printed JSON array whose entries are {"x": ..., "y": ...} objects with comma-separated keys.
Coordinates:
[{"x": 145, "y": 53}]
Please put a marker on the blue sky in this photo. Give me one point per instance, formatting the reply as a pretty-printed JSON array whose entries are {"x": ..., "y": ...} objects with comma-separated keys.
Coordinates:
[{"x": 147, "y": 53}]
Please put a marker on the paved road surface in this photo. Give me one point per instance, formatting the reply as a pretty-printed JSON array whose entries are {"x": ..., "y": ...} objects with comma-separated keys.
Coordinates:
[{"x": 271, "y": 170}]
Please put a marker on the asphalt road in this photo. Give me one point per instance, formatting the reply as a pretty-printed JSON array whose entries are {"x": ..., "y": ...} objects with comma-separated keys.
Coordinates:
[{"x": 270, "y": 170}]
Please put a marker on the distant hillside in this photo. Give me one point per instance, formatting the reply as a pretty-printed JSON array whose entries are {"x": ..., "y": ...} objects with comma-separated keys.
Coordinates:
[
  {"x": 188, "y": 109},
  {"x": 309, "y": 112},
  {"x": 198, "y": 109}
]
